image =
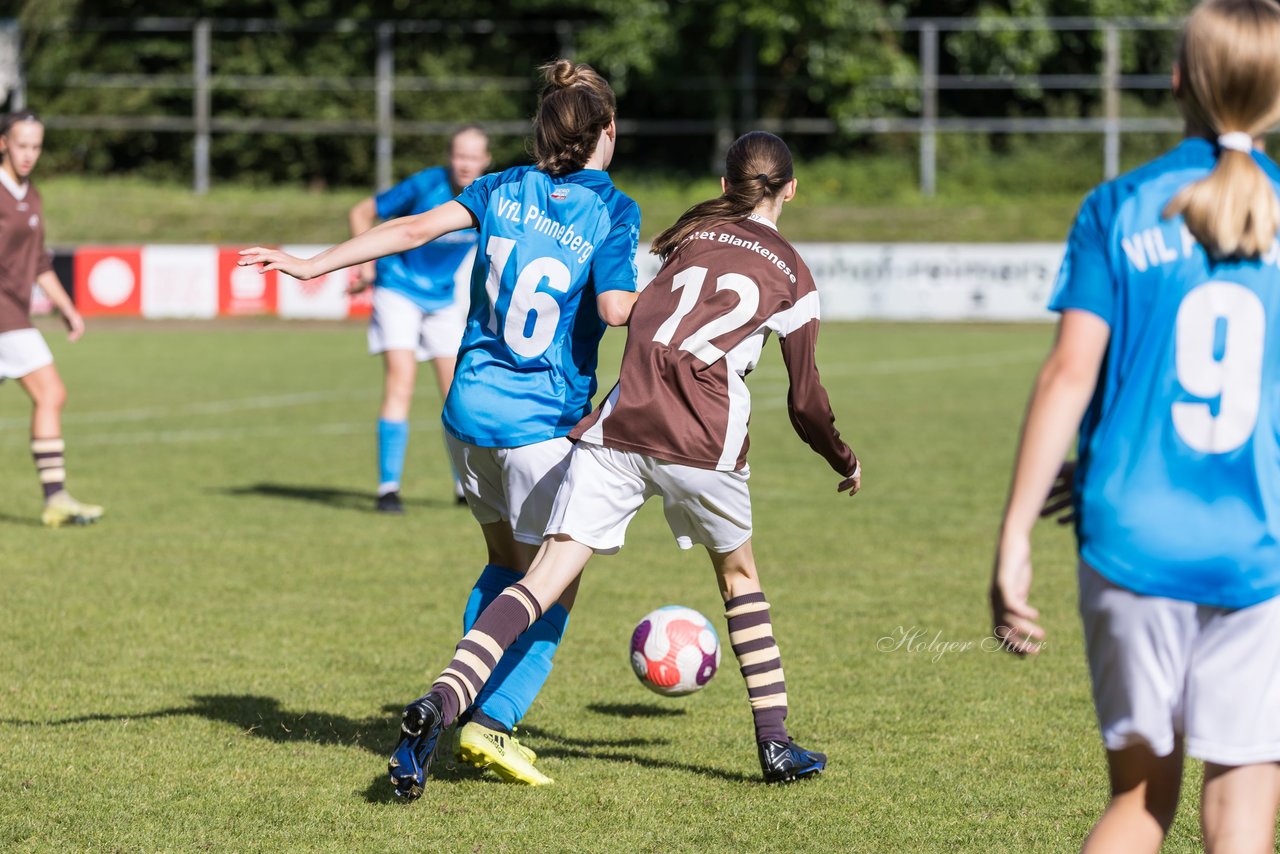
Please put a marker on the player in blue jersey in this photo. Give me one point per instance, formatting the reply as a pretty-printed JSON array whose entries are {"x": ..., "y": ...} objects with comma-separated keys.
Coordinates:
[
  {"x": 556, "y": 265},
  {"x": 1168, "y": 361},
  {"x": 418, "y": 312}
]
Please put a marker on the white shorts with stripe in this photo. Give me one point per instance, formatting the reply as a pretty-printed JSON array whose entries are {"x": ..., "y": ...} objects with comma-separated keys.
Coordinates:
[
  {"x": 1165, "y": 667},
  {"x": 516, "y": 485},
  {"x": 22, "y": 352},
  {"x": 398, "y": 323},
  {"x": 605, "y": 487}
]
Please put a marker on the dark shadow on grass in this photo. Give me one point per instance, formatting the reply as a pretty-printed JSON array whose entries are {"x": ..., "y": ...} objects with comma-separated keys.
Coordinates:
[
  {"x": 342, "y": 499},
  {"x": 634, "y": 710},
  {"x": 262, "y": 717}
]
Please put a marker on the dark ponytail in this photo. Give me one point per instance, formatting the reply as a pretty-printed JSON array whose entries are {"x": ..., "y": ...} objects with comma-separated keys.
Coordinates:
[
  {"x": 757, "y": 167},
  {"x": 576, "y": 105}
]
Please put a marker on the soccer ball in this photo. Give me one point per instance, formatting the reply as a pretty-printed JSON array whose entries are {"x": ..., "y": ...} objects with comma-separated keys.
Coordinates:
[{"x": 674, "y": 651}]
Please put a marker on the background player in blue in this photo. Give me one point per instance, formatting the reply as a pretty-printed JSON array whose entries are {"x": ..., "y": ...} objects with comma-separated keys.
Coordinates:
[
  {"x": 1167, "y": 360},
  {"x": 419, "y": 298},
  {"x": 556, "y": 265}
]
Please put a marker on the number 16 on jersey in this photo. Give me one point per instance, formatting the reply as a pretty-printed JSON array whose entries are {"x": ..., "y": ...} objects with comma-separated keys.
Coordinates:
[{"x": 532, "y": 314}]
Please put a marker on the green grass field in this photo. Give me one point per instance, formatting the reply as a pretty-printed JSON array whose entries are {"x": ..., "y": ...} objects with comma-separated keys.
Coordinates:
[{"x": 219, "y": 664}]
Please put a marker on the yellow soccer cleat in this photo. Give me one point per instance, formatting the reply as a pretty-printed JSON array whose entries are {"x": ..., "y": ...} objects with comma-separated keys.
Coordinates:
[
  {"x": 502, "y": 753},
  {"x": 61, "y": 509}
]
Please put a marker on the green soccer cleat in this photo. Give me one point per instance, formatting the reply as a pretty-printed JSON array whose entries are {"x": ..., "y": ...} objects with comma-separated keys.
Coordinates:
[
  {"x": 500, "y": 752},
  {"x": 61, "y": 509}
]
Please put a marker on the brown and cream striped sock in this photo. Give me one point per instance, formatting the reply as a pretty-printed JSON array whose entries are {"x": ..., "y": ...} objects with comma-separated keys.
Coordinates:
[
  {"x": 751, "y": 636},
  {"x": 50, "y": 464},
  {"x": 497, "y": 628}
]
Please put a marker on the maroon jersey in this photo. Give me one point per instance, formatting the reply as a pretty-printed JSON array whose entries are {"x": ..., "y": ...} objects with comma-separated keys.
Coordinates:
[
  {"x": 22, "y": 252},
  {"x": 696, "y": 332}
]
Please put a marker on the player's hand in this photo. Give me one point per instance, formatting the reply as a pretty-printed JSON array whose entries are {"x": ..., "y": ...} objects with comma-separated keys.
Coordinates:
[
  {"x": 1013, "y": 620},
  {"x": 362, "y": 278},
  {"x": 1061, "y": 498},
  {"x": 75, "y": 325},
  {"x": 274, "y": 259},
  {"x": 853, "y": 482}
]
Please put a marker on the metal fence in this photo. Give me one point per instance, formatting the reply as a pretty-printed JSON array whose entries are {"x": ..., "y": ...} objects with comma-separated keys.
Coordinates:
[{"x": 383, "y": 84}]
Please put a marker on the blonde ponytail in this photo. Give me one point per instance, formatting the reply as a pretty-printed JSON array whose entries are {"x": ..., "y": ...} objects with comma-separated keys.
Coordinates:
[{"x": 1229, "y": 73}]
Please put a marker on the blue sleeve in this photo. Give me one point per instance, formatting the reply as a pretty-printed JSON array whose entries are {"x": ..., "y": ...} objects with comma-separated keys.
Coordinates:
[
  {"x": 613, "y": 267},
  {"x": 475, "y": 198},
  {"x": 1085, "y": 281},
  {"x": 398, "y": 200}
]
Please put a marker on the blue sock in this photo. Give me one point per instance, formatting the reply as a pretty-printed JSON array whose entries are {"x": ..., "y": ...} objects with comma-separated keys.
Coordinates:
[
  {"x": 393, "y": 440},
  {"x": 510, "y": 691}
]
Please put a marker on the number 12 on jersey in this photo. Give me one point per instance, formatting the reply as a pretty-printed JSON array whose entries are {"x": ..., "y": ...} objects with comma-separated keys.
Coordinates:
[{"x": 689, "y": 283}]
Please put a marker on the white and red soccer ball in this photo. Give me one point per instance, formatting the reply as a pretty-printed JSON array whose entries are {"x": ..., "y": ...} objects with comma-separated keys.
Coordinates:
[{"x": 674, "y": 651}]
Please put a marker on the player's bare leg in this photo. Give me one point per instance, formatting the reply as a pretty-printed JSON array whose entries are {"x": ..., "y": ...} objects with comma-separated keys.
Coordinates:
[
  {"x": 400, "y": 373},
  {"x": 751, "y": 636},
  {"x": 1238, "y": 807},
  {"x": 1144, "y": 798},
  {"x": 48, "y": 395}
]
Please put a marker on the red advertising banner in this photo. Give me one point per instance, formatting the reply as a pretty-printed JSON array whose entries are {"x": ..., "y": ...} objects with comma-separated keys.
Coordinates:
[
  {"x": 243, "y": 290},
  {"x": 109, "y": 280}
]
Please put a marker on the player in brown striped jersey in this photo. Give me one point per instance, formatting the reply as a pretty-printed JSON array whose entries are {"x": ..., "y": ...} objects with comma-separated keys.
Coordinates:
[
  {"x": 24, "y": 355},
  {"x": 676, "y": 427}
]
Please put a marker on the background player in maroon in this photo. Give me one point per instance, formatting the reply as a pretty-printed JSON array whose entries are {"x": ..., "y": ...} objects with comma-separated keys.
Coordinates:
[
  {"x": 675, "y": 426},
  {"x": 24, "y": 355}
]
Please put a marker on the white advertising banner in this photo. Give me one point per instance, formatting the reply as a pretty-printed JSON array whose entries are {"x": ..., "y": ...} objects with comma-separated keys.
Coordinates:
[
  {"x": 925, "y": 281},
  {"x": 934, "y": 281},
  {"x": 179, "y": 281},
  {"x": 40, "y": 302},
  {"x": 323, "y": 298}
]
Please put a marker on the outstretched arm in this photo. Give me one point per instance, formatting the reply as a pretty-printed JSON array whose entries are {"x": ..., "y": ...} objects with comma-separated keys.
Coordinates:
[
  {"x": 1062, "y": 393},
  {"x": 810, "y": 408},
  {"x": 389, "y": 238}
]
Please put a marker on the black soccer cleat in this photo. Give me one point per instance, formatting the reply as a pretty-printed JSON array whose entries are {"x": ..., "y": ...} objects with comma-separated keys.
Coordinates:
[
  {"x": 390, "y": 503},
  {"x": 786, "y": 762},
  {"x": 419, "y": 732}
]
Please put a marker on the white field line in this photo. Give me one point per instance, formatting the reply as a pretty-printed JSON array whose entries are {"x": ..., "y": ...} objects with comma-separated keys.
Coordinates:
[
  {"x": 922, "y": 365},
  {"x": 209, "y": 407},
  {"x": 213, "y": 434},
  {"x": 928, "y": 364}
]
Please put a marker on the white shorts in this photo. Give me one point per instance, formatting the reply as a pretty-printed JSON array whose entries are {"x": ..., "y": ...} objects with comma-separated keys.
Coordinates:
[
  {"x": 604, "y": 489},
  {"x": 398, "y": 323},
  {"x": 1162, "y": 667},
  {"x": 22, "y": 351},
  {"x": 516, "y": 485}
]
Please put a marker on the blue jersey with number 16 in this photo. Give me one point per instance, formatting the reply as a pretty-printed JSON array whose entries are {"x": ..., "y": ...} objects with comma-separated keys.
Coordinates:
[
  {"x": 548, "y": 247},
  {"x": 1178, "y": 486}
]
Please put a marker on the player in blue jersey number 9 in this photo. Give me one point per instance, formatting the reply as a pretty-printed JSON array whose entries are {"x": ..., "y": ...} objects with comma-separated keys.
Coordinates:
[
  {"x": 555, "y": 266},
  {"x": 1166, "y": 361}
]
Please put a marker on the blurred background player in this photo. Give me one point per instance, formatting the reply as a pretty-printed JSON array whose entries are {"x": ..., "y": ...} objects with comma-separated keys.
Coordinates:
[
  {"x": 675, "y": 426},
  {"x": 557, "y": 265},
  {"x": 24, "y": 355},
  {"x": 419, "y": 298},
  {"x": 1166, "y": 361}
]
